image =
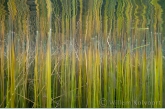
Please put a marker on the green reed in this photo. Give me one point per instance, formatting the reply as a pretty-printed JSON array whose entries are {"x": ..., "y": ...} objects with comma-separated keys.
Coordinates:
[
  {"x": 84, "y": 55},
  {"x": 81, "y": 78}
]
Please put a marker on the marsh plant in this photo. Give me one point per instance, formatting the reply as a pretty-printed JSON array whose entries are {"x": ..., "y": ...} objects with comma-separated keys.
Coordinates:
[{"x": 80, "y": 53}]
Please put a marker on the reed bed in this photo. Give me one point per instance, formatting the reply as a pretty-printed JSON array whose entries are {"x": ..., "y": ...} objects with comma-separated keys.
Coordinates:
[
  {"x": 81, "y": 53},
  {"x": 82, "y": 76}
]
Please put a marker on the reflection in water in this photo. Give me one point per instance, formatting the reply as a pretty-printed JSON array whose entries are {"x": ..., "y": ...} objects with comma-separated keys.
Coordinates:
[
  {"x": 101, "y": 25},
  {"x": 84, "y": 19}
]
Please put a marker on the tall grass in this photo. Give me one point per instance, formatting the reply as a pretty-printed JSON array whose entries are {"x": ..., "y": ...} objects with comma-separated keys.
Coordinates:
[
  {"x": 85, "y": 54},
  {"x": 48, "y": 72},
  {"x": 82, "y": 78}
]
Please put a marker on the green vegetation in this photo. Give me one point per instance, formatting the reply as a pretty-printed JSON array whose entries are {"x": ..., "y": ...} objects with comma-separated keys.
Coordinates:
[{"x": 81, "y": 53}]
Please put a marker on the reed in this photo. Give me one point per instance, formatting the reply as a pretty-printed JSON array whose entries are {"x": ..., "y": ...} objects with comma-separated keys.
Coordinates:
[
  {"x": 11, "y": 73},
  {"x": 80, "y": 79},
  {"x": 2, "y": 63},
  {"x": 36, "y": 78},
  {"x": 111, "y": 76},
  {"x": 73, "y": 80},
  {"x": 48, "y": 72},
  {"x": 86, "y": 53}
]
